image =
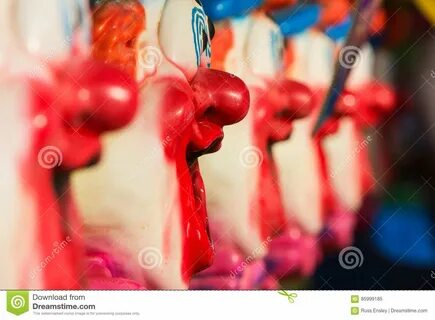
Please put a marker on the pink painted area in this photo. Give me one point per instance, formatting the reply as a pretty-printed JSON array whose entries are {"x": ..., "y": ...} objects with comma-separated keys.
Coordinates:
[
  {"x": 340, "y": 227},
  {"x": 233, "y": 271},
  {"x": 293, "y": 253},
  {"x": 103, "y": 274}
]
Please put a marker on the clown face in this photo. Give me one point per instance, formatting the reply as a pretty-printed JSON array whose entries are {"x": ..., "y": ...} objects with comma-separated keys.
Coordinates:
[
  {"x": 296, "y": 251},
  {"x": 244, "y": 197},
  {"x": 345, "y": 148},
  {"x": 375, "y": 101},
  {"x": 372, "y": 100},
  {"x": 340, "y": 149},
  {"x": 144, "y": 204},
  {"x": 56, "y": 115},
  {"x": 298, "y": 160}
]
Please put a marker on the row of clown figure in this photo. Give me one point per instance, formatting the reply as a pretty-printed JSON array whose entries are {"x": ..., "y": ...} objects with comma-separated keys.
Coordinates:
[{"x": 109, "y": 105}]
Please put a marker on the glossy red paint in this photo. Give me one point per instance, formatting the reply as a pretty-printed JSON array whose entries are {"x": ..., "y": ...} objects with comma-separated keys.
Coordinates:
[
  {"x": 273, "y": 114},
  {"x": 69, "y": 113},
  {"x": 192, "y": 119}
]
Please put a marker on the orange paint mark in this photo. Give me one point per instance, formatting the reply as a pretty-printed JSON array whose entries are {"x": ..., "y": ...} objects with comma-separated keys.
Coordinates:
[
  {"x": 333, "y": 12},
  {"x": 221, "y": 44},
  {"x": 116, "y": 28}
]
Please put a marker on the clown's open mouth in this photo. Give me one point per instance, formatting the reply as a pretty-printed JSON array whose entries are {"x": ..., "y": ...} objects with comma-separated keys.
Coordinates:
[
  {"x": 198, "y": 241},
  {"x": 198, "y": 187},
  {"x": 281, "y": 126}
]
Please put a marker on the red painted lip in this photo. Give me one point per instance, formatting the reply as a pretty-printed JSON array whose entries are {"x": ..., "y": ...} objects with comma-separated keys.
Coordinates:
[
  {"x": 85, "y": 149},
  {"x": 282, "y": 127},
  {"x": 198, "y": 250},
  {"x": 199, "y": 194},
  {"x": 206, "y": 138}
]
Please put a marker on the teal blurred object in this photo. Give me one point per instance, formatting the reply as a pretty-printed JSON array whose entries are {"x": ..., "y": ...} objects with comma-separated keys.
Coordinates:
[{"x": 339, "y": 31}]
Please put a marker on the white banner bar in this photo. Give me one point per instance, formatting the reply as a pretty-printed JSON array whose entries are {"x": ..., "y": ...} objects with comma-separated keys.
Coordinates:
[{"x": 219, "y": 305}]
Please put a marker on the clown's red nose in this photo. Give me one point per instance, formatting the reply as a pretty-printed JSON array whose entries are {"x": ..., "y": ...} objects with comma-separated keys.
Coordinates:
[
  {"x": 220, "y": 97},
  {"x": 347, "y": 104},
  {"x": 382, "y": 96},
  {"x": 98, "y": 96},
  {"x": 291, "y": 100}
]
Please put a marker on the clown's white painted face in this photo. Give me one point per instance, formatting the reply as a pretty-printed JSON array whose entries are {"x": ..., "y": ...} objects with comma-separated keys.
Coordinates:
[
  {"x": 19, "y": 227},
  {"x": 47, "y": 31},
  {"x": 297, "y": 159},
  {"x": 257, "y": 48},
  {"x": 47, "y": 28},
  {"x": 244, "y": 198},
  {"x": 144, "y": 205}
]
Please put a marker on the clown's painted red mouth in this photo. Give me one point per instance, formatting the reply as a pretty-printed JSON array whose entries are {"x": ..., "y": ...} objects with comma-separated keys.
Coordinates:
[
  {"x": 197, "y": 181},
  {"x": 276, "y": 109},
  {"x": 201, "y": 255},
  {"x": 88, "y": 147},
  {"x": 282, "y": 123},
  {"x": 199, "y": 193},
  {"x": 220, "y": 99}
]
